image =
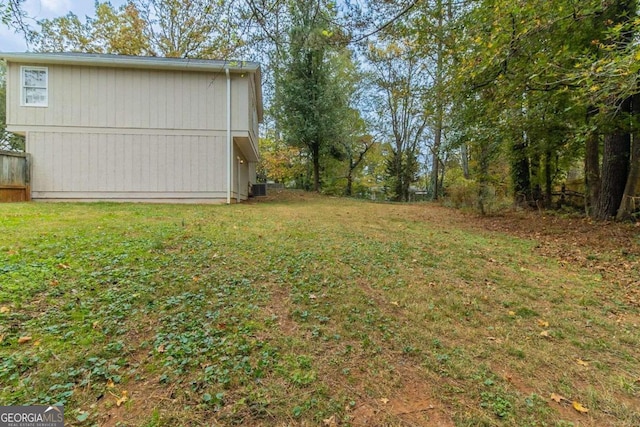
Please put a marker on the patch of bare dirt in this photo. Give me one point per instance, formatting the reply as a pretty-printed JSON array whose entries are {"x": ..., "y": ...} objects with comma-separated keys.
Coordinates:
[
  {"x": 135, "y": 400},
  {"x": 411, "y": 405},
  {"x": 143, "y": 397}
]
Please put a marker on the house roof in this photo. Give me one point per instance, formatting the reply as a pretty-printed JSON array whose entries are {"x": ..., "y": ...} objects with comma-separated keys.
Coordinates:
[
  {"x": 143, "y": 62},
  {"x": 152, "y": 62}
]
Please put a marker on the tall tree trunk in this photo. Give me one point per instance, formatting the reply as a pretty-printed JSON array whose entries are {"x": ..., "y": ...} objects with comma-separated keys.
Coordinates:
[
  {"x": 440, "y": 99},
  {"x": 464, "y": 153},
  {"x": 537, "y": 164},
  {"x": 483, "y": 177},
  {"x": 592, "y": 168},
  {"x": 520, "y": 171},
  {"x": 316, "y": 167},
  {"x": 349, "y": 190},
  {"x": 443, "y": 170},
  {"x": 633, "y": 179},
  {"x": 435, "y": 163},
  {"x": 615, "y": 170},
  {"x": 397, "y": 164},
  {"x": 548, "y": 177},
  {"x": 406, "y": 181},
  {"x": 617, "y": 145}
]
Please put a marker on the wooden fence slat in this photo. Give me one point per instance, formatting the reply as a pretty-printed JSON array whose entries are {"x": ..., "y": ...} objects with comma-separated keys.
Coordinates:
[{"x": 14, "y": 176}]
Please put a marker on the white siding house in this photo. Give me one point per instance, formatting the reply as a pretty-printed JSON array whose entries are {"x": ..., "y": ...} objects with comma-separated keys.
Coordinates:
[{"x": 109, "y": 127}]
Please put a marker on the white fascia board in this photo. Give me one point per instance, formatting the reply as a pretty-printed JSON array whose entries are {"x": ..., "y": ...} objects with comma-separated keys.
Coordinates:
[{"x": 122, "y": 61}]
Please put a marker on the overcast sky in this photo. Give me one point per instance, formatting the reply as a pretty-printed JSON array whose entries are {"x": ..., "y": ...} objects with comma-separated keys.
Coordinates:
[{"x": 40, "y": 9}]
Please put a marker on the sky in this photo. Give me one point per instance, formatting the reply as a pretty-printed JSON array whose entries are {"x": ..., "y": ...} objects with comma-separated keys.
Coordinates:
[{"x": 41, "y": 9}]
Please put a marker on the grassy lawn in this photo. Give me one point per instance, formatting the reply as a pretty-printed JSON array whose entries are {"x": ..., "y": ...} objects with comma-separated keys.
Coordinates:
[{"x": 314, "y": 311}]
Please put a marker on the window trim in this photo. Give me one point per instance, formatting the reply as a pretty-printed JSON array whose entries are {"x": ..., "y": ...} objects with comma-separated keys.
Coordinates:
[{"x": 23, "y": 97}]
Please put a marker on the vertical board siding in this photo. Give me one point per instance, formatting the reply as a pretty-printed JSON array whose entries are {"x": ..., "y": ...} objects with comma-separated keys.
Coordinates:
[
  {"x": 86, "y": 163},
  {"x": 239, "y": 102},
  {"x": 132, "y": 98}
]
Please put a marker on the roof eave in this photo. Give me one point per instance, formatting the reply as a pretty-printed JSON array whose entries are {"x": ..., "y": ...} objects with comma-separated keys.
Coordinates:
[{"x": 132, "y": 62}]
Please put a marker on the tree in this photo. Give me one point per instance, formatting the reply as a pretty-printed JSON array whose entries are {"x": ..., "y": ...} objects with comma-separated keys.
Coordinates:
[
  {"x": 618, "y": 174},
  {"x": 432, "y": 23},
  {"x": 13, "y": 16},
  {"x": 615, "y": 169},
  {"x": 172, "y": 28},
  {"x": 399, "y": 98},
  {"x": 279, "y": 162},
  {"x": 627, "y": 204},
  {"x": 194, "y": 28},
  {"x": 606, "y": 79},
  {"x": 113, "y": 31},
  {"x": 8, "y": 141},
  {"x": 560, "y": 76},
  {"x": 310, "y": 99}
]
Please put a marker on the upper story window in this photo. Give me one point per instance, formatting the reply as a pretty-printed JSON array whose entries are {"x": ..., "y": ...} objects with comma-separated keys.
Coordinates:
[{"x": 35, "y": 90}]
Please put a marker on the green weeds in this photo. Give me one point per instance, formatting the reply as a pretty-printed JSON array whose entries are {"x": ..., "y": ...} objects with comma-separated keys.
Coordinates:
[{"x": 285, "y": 313}]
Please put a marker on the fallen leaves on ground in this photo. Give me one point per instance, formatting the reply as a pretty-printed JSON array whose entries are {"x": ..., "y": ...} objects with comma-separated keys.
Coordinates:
[
  {"x": 558, "y": 398},
  {"x": 330, "y": 422},
  {"x": 543, "y": 323},
  {"x": 23, "y": 340},
  {"x": 582, "y": 362},
  {"x": 578, "y": 407},
  {"x": 122, "y": 398}
]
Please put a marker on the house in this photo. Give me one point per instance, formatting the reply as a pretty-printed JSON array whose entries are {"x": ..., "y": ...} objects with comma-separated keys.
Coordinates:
[{"x": 123, "y": 128}]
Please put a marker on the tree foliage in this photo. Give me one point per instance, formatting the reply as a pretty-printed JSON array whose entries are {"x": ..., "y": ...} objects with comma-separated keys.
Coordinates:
[
  {"x": 8, "y": 141},
  {"x": 172, "y": 28},
  {"x": 400, "y": 103},
  {"x": 312, "y": 99},
  {"x": 114, "y": 31},
  {"x": 13, "y": 16}
]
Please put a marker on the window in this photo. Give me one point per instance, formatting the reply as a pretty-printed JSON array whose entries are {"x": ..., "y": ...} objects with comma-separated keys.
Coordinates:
[{"x": 35, "y": 86}]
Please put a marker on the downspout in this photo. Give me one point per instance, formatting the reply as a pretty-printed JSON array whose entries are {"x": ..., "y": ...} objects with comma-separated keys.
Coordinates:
[{"x": 229, "y": 162}]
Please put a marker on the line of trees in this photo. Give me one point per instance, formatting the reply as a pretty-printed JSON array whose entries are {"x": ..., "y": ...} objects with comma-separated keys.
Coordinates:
[
  {"x": 558, "y": 81},
  {"x": 483, "y": 97}
]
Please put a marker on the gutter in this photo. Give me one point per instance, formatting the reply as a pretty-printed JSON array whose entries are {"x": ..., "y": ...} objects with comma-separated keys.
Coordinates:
[{"x": 124, "y": 61}]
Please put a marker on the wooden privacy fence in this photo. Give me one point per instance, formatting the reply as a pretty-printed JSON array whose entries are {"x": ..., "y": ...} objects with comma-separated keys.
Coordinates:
[{"x": 14, "y": 177}]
